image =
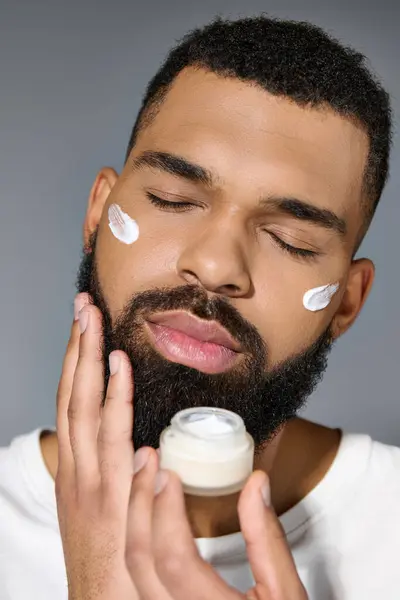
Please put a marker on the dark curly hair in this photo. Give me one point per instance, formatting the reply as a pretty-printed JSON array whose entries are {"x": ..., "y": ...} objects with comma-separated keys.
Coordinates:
[{"x": 291, "y": 59}]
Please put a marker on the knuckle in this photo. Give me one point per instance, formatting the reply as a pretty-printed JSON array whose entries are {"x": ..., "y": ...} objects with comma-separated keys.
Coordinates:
[
  {"x": 82, "y": 351},
  {"x": 126, "y": 433},
  {"x": 171, "y": 566},
  {"x": 170, "y": 562},
  {"x": 114, "y": 436},
  {"x": 111, "y": 396},
  {"x": 74, "y": 443},
  {"x": 135, "y": 556},
  {"x": 72, "y": 412},
  {"x": 108, "y": 468},
  {"x": 106, "y": 438}
]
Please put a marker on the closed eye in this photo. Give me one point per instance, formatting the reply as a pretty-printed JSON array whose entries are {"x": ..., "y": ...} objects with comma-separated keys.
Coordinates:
[
  {"x": 180, "y": 206},
  {"x": 294, "y": 250},
  {"x": 168, "y": 205}
]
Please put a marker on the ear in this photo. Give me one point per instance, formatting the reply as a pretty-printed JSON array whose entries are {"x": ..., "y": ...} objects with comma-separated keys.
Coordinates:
[
  {"x": 101, "y": 188},
  {"x": 359, "y": 283}
]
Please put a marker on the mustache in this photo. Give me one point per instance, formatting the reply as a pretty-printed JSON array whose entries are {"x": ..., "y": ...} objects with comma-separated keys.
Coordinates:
[
  {"x": 266, "y": 397},
  {"x": 195, "y": 300}
]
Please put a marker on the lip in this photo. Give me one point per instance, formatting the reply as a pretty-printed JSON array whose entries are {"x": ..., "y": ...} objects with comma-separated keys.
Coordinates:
[
  {"x": 199, "y": 329},
  {"x": 202, "y": 345}
]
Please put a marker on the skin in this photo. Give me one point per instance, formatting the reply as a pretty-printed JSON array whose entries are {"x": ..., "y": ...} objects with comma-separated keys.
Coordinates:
[
  {"x": 256, "y": 146},
  {"x": 117, "y": 529}
]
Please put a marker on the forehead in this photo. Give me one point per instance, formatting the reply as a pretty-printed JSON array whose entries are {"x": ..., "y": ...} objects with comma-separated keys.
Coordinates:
[{"x": 250, "y": 137}]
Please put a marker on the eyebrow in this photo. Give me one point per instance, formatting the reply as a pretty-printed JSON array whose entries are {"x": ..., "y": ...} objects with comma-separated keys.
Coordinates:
[
  {"x": 304, "y": 211},
  {"x": 294, "y": 207},
  {"x": 175, "y": 165}
]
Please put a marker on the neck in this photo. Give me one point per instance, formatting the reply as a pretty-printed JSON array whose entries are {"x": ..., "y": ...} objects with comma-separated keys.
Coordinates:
[
  {"x": 296, "y": 461},
  {"x": 212, "y": 517}
]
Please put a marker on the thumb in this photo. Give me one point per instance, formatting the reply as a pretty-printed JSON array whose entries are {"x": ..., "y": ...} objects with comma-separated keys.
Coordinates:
[{"x": 269, "y": 555}]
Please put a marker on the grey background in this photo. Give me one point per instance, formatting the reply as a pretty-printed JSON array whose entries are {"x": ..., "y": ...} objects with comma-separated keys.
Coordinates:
[{"x": 71, "y": 78}]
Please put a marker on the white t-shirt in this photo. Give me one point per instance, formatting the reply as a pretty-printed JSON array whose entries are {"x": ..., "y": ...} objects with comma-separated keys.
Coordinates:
[{"x": 345, "y": 535}]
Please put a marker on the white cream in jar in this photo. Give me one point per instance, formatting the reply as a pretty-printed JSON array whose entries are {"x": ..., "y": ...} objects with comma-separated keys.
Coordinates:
[{"x": 209, "y": 449}]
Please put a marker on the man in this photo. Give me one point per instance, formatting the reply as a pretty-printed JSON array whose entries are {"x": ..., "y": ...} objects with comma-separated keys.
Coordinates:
[{"x": 218, "y": 271}]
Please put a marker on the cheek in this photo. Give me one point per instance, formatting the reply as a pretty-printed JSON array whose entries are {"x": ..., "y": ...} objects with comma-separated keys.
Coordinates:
[
  {"x": 276, "y": 309},
  {"x": 125, "y": 269},
  {"x": 283, "y": 321}
]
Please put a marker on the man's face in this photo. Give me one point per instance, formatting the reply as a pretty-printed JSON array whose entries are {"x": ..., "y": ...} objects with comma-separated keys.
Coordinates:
[{"x": 260, "y": 202}]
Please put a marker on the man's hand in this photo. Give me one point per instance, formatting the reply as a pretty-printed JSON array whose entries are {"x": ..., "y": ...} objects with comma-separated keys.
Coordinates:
[
  {"x": 162, "y": 557},
  {"x": 131, "y": 540},
  {"x": 95, "y": 466}
]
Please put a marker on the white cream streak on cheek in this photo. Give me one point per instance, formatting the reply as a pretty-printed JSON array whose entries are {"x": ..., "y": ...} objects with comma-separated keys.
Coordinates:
[
  {"x": 124, "y": 228},
  {"x": 320, "y": 297}
]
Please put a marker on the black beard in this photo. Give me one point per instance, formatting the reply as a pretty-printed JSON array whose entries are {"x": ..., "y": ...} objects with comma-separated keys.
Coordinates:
[{"x": 265, "y": 398}]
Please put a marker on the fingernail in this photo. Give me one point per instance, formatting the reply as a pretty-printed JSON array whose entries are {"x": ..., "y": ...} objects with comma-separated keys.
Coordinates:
[
  {"x": 160, "y": 482},
  {"x": 114, "y": 361},
  {"x": 266, "y": 493},
  {"x": 83, "y": 320},
  {"x": 141, "y": 458},
  {"x": 79, "y": 303}
]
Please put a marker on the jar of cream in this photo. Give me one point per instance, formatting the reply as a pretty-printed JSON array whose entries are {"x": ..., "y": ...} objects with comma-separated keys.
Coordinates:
[{"x": 209, "y": 449}]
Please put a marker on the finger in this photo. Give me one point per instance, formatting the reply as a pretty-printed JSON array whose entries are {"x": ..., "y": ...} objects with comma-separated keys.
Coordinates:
[
  {"x": 86, "y": 397},
  {"x": 175, "y": 550},
  {"x": 115, "y": 444},
  {"x": 139, "y": 554},
  {"x": 65, "y": 457},
  {"x": 269, "y": 555}
]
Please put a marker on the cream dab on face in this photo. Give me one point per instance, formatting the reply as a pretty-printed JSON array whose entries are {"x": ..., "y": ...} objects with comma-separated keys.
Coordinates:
[
  {"x": 124, "y": 228},
  {"x": 320, "y": 297}
]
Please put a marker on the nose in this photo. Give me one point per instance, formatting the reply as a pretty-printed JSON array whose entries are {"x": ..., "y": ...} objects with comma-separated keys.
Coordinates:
[{"x": 215, "y": 259}]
